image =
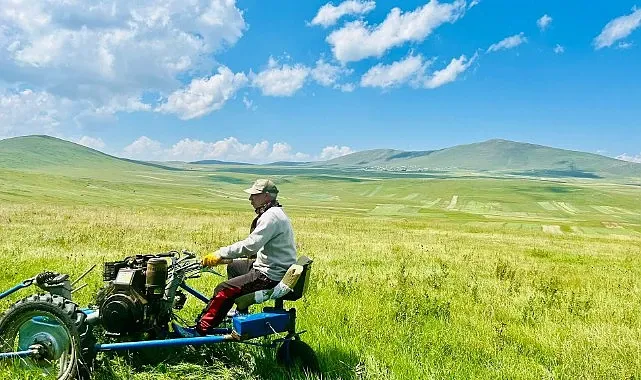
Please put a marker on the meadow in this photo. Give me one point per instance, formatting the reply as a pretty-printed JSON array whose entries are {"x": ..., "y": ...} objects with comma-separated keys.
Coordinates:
[{"x": 414, "y": 277}]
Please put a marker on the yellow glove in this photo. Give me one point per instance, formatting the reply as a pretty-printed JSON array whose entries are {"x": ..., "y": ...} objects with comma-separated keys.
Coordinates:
[{"x": 212, "y": 260}]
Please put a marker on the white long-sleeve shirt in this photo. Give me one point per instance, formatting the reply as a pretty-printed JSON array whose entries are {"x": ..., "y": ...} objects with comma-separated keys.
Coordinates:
[{"x": 272, "y": 241}]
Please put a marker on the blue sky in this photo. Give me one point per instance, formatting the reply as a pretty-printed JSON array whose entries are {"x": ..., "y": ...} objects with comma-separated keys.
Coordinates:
[{"x": 262, "y": 81}]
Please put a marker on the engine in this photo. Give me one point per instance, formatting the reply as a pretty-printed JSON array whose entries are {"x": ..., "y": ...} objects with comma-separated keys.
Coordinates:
[{"x": 134, "y": 301}]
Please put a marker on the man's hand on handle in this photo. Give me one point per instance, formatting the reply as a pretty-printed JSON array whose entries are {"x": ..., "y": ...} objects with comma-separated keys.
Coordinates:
[{"x": 213, "y": 259}]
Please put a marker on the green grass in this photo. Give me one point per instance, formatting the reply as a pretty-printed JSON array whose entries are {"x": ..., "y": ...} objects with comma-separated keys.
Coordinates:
[{"x": 403, "y": 287}]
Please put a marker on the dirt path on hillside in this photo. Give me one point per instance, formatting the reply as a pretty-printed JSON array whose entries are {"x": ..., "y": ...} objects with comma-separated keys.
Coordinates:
[
  {"x": 452, "y": 202},
  {"x": 156, "y": 178},
  {"x": 552, "y": 229}
]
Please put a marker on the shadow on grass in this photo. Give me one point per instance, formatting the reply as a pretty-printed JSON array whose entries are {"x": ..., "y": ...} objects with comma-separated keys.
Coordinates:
[{"x": 237, "y": 361}]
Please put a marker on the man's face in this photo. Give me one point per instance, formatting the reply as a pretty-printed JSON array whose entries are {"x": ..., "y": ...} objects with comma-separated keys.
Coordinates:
[{"x": 258, "y": 200}]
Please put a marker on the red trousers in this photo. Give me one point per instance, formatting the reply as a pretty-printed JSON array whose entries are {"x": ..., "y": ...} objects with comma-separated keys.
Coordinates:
[{"x": 242, "y": 279}]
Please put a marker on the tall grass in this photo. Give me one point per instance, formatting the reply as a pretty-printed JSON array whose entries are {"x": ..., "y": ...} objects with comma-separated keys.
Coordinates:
[{"x": 390, "y": 298}]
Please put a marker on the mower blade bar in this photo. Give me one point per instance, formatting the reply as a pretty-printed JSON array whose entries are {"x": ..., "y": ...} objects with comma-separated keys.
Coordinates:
[
  {"x": 195, "y": 341},
  {"x": 18, "y": 354}
]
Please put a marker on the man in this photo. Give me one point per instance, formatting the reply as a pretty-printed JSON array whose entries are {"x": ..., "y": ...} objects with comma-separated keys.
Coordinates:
[{"x": 270, "y": 248}]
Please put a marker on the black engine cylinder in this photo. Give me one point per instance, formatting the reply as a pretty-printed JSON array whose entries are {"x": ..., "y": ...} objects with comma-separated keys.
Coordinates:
[{"x": 121, "y": 313}]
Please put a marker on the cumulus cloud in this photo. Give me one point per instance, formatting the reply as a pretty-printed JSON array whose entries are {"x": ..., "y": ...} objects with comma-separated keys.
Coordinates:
[
  {"x": 508, "y": 43},
  {"x": 27, "y": 112},
  {"x": 395, "y": 74},
  {"x": 122, "y": 103},
  {"x": 413, "y": 70},
  {"x": 115, "y": 47},
  {"x": 284, "y": 152},
  {"x": 228, "y": 149},
  {"x": 103, "y": 56},
  {"x": 630, "y": 158},
  {"x": 617, "y": 29},
  {"x": 205, "y": 95},
  {"x": 544, "y": 22},
  {"x": 91, "y": 142},
  {"x": 327, "y": 74},
  {"x": 473, "y": 3},
  {"x": 330, "y": 152},
  {"x": 144, "y": 148},
  {"x": 346, "y": 87},
  {"x": 558, "y": 49},
  {"x": 249, "y": 104},
  {"x": 329, "y": 14},
  {"x": 358, "y": 40},
  {"x": 280, "y": 80},
  {"x": 624, "y": 45},
  {"x": 449, "y": 74}
]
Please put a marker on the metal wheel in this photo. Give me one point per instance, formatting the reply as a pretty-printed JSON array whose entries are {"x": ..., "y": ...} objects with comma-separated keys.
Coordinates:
[
  {"x": 48, "y": 326},
  {"x": 294, "y": 353}
]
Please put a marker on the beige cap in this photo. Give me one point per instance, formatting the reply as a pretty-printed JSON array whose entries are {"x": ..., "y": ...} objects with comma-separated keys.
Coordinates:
[{"x": 262, "y": 186}]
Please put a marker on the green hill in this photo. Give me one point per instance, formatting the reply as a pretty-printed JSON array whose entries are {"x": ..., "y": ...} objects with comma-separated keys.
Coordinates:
[
  {"x": 507, "y": 157},
  {"x": 497, "y": 157},
  {"x": 217, "y": 162},
  {"x": 364, "y": 158},
  {"x": 51, "y": 154}
]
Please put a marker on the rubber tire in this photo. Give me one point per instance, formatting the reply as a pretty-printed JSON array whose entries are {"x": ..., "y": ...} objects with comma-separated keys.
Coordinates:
[
  {"x": 66, "y": 311},
  {"x": 295, "y": 353}
]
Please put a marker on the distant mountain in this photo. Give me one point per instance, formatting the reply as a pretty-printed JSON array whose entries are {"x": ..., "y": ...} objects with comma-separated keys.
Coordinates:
[
  {"x": 217, "y": 162},
  {"x": 498, "y": 157},
  {"x": 289, "y": 163},
  {"x": 364, "y": 158},
  {"x": 502, "y": 156},
  {"x": 46, "y": 152}
]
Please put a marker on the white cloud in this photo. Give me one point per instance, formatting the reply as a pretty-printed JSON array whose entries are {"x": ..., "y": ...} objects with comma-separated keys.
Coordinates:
[
  {"x": 120, "y": 46},
  {"x": 329, "y": 14},
  {"x": 228, "y": 149},
  {"x": 249, "y": 104},
  {"x": 120, "y": 103},
  {"x": 558, "y": 49},
  {"x": 617, "y": 29},
  {"x": 627, "y": 157},
  {"x": 103, "y": 56},
  {"x": 204, "y": 95},
  {"x": 508, "y": 43},
  {"x": 412, "y": 70},
  {"x": 394, "y": 74},
  {"x": 624, "y": 45},
  {"x": 450, "y": 72},
  {"x": 358, "y": 40},
  {"x": 335, "y": 151},
  {"x": 327, "y": 74},
  {"x": 91, "y": 142},
  {"x": 473, "y": 3},
  {"x": 280, "y": 80},
  {"x": 544, "y": 22},
  {"x": 144, "y": 148},
  {"x": 27, "y": 112},
  {"x": 345, "y": 87},
  {"x": 284, "y": 152}
]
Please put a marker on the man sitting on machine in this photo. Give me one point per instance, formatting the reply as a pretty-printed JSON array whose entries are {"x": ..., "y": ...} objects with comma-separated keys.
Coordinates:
[{"x": 270, "y": 250}]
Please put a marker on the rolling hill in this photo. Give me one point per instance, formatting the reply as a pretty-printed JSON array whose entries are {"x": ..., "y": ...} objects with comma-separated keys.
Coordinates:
[
  {"x": 217, "y": 162},
  {"x": 501, "y": 156},
  {"x": 498, "y": 157},
  {"x": 49, "y": 153}
]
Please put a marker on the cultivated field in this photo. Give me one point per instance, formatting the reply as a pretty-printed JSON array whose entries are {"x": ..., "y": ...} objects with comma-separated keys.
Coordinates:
[{"x": 414, "y": 276}]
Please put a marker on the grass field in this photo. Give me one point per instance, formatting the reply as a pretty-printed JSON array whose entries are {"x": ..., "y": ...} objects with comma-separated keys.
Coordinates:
[{"x": 414, "y": 277}]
